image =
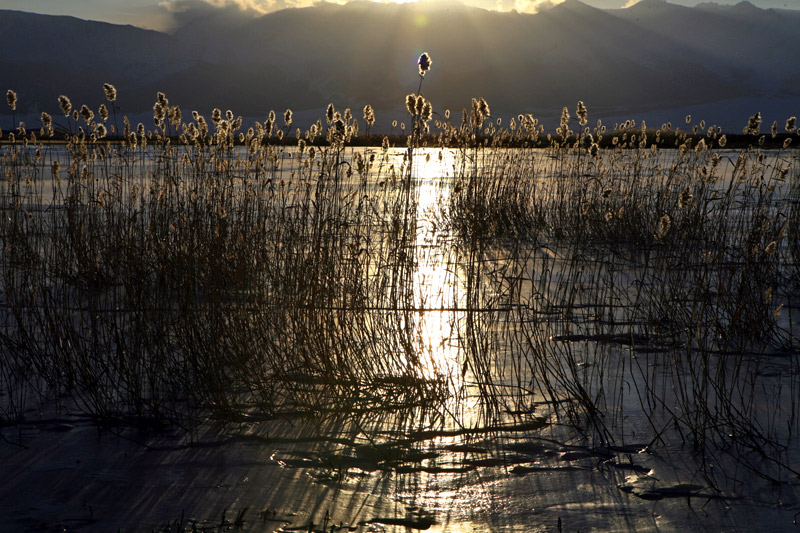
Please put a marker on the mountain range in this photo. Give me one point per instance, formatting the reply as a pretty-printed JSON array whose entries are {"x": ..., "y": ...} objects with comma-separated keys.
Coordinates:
[{"x": 654, "y": 60}]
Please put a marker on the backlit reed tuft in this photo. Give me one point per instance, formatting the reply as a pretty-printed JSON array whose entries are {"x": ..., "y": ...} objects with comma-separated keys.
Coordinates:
[
  {"x": 110, "y": 91},
  {"x": 11, "y": 99},
  {"x": 424, "y": 62},
  {"x": 87, "y": 114},
  {"x": 411, "y": 104},
  {"x": 369, "y": 115},
  {"x": 582, "y": 113},
  {"x": 65, "y": 105},
  {"x": 753, "y": 125}
]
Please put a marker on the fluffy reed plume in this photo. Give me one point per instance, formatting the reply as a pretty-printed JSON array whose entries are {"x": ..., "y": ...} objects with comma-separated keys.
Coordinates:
[
  {"x": 87, "y": 114},
  {"x": 111, "y": 92},
  {"x": 427, "y": 110},
  {"x": 65, "y": 105},
  {"x": 369, "y": 115},
  {"x": 790, "y": 124},
  {"x": 329, "y": 114},
  {"x": 419, "y": 105},
  {"x": 424, "y": 62},
  {"x": 287, "y": 118},
  {"x": 47, "y": 121},
  {"x": 11, "y": 99},
  {"x": 103, "y": 112},
  {"x": 563, "y": 129},
  {"x": 753, "y": 125},
  {"x": 581, "y": 113},
  {"x": 175, "y": 116},
  {"x": 411, "y": 104},
  {"x": 159, "y": 113},
  {"x": 483, "y": 108}
]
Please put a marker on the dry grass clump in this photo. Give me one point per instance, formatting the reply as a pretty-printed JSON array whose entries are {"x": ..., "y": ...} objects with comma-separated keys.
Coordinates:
[
  {"x": 658, "y": 250},
  {"x": 154, "y": 276}
]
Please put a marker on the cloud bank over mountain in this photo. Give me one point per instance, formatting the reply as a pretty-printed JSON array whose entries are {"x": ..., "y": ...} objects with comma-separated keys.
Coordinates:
[{"x": 651, "y": 60}]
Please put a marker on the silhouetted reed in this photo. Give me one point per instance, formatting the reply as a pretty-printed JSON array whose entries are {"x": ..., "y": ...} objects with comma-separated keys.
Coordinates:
[{"x": 202, "y": 270}]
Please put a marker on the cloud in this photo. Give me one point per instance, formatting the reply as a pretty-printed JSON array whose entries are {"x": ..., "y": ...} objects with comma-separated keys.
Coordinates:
[
  {"x": 256, "y": 7},
  {"x": 534, "y": 6},
  {"x": 245, "y": 7},
  {"x": 630, "y": 3}
]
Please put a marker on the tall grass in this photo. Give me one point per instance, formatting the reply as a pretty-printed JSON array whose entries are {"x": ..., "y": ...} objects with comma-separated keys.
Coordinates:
[
  {"x": 656, "y": 271},
  {"x": 196, "y": 270},
  {"x": 148, "y": 278}
]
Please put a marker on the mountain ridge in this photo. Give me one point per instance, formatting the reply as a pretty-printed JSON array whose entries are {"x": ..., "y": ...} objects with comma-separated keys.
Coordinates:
[{"x": 653, "y": 55}]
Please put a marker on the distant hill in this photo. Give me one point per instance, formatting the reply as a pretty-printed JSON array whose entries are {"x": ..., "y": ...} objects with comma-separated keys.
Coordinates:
[{"x": 646, "y": 61}]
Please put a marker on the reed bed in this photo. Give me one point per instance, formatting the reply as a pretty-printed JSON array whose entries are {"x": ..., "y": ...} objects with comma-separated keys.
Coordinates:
[
  {"x": 654, "y": 273},
  {"x": 193, "y": 271},
  {"x": 151, "y": 277}
]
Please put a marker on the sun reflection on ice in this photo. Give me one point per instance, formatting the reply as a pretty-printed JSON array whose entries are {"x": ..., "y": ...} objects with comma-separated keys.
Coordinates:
[{"x": 435, "y": 281}]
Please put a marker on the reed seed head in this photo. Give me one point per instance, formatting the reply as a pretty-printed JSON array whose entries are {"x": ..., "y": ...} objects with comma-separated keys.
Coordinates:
[
  {"x": 419, "y": 105},
  {"x": 411, "y": 104},
  {"x": 753, "y": 125},
  {"x": 159, "y": 113},
  {"x": 11, "y": 98},
  {"x": 175, "y": 116},
  {"x": 65, "y": 104},
  {"x": 87, "y": 114},
  {"x": 424, "y": 62},
  {"x": 111, "y": 92},
  {"x": 483, "y": 108},
  {"x": 582, "y": 113},
  {"x": 369, "y": 115},
  {"x": 427, "y": 111}
]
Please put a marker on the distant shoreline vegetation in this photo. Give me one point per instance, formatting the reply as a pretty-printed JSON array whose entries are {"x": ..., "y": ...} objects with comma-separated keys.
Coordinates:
[
  {"x": 669, "y": 140},
  {"x": 524, "y": 131}
]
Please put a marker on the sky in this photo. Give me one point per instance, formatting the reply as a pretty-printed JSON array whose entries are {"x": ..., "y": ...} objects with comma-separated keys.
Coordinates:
[{"x": 157, "y": 14}]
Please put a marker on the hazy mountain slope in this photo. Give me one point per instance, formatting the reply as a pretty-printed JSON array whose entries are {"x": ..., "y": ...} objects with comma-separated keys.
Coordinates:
[
  {"x": 43, "y": 56},
  {"x": 651, "y": 56},
  {"x": 742, "y": 41}
]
